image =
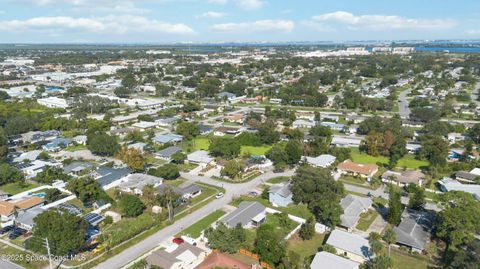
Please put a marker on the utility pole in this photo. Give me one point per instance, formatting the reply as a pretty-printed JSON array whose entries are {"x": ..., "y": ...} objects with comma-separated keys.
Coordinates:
[{"x": 48, "y": 251}]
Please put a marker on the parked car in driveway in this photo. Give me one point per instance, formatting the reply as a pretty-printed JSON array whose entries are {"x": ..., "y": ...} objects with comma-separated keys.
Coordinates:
[{"x": 6, "y": 229}]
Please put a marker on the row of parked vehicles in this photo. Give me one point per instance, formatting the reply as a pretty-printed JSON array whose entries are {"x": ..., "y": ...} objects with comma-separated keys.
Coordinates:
[{"x": 14, "y": 232}]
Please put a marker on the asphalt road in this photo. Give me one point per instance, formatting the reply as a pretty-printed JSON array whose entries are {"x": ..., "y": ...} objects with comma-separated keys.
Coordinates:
[
  {"x": 231, "y": 191},
  {"x": 8, "y": 265},
  {"x": 403, "y": 108}
]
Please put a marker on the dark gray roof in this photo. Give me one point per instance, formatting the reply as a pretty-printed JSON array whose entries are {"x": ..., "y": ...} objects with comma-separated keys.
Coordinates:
[
  {"x": 107, "y": 175},
  {"x": 465, "y": 175},
  {"x": 245, "y": 212},
  {"x": 168, "y": 152},
  {"x": 204, "y": 128},
  {"x": 93, "y": 219},
  {"x": 414, "y": 229},
  {"x": 77, "y": 167},
  {"x": 192, "y": 188}
]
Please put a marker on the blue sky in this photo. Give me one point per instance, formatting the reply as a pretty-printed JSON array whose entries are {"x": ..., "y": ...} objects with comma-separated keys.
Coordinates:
[{"x": 164, "y": 21}]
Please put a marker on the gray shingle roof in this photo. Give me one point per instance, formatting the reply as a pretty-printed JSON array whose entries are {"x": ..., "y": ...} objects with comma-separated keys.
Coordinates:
[
  {"x": 245, "y": 212},
  {"x": 107, "y": 175},
  {"x": 353, "y": 206},
  {"x": 282, "y": 189},
  {"x": 168, "y": 152},
  {"x": 414, "y": 229}
]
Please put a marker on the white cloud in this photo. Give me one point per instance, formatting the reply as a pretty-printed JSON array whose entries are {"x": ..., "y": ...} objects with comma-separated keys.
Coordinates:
[
  {"x": 473, "y": 32},
  {"x": 250, "y": 4},
  {"x": 381, "y": 22},
  {"x": 212, "y": 15},
  {"x": 218, "y": 2},
  {"x": 117, "y": 6},
  {"x": 109, "y": 24},
  {"x": 281, "y": 26}
]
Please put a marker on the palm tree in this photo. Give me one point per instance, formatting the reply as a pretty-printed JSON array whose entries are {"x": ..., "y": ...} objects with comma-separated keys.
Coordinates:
[{"x": 390, "y": 238}]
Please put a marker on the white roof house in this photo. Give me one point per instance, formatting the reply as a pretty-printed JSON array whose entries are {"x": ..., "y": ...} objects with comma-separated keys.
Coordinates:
[
  {"x": 53, "y": 102},
  {"x": 134, "y": 183},
  {"x": 29, "y": 155},
  {"x": 351, "y": 245},
  {"x": 144, "y": 125},
  {"x": 200, "y": 156},
  {"x": 475, "y": 171},
  {"x": 324, "y": 160},
  {"x": 328, "y": 260}
]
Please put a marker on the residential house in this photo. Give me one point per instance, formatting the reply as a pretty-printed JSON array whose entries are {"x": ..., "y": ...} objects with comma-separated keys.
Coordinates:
[
  {"x": 236, "y": 118},
  {"x": 144, "y": 125},
  {"x": 134, "y": 183},
  {"x": 57, "y": 144},
  {"x": 80, "y": 139},
  {"x": 332, "y": 125},
  {"x": 280, "y": 194},
  {"x": 248, "y": 214},
  {"x": 353, "y": 206},
  {"x": 166, "y": 153},
  {"x": 301, "y": 123},
  {"x": 204, "y": 129},
  {"x": 27, "y": 156},
  {"x": 455, "y": 137},
  {"x": 109, "y": 177},
  {"x": 26, "y": 218},
  {"x": 323, "y": 161},
  {"x": 403, "y": 179},
  {"x": 355, "y": 118},
  {"x": 327, "y": 260},
  {"x": 35, "y": 136},
  {"x": 306, "y": 115},
  {"x": 167, "y": 122},
  {"x": 54, "y": 102},
  {"x": 200, "y": 157},
  {"x": 140, "y": 146},
  {"x": 413, "y": 148},
  {"x": 475, "y": 171},
  {"x": 352, "y": 246},
  {"x": 364, "y": 170},
  {"x": 222, "y": 131},
  {"x": 77, "y": 168},
  {"x": 466, "y": 177},
  {"x": 187, "y": 192},
  {"x": 167, "y": 138},
  {"x": 7, "y": 208},
  {"x": 344, "y": 142},
  {"x": 176, "y": 256},
  {"x": 414, "y": 229},
  {"x": 31, "y": 169},
  {"x": 447, "y": 184}
]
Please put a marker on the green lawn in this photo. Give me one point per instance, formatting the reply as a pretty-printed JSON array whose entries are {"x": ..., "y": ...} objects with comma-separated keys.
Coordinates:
[
  {"x": 254, "y": 150},
  {"x": 402, "y": 260},
  {"x": 14, "y": 188},
  {"x": 407, "y": 161},
  {"x": 357, "y": 182},
  {"x": 196, "y": 229},
  {"x": 276, "y": 180},
  {"x": 76, "y": 147},
  {"x": 201, "y": 143},
  {"x": 305, "y": 248},
  {"x": 366, "y": 219}
]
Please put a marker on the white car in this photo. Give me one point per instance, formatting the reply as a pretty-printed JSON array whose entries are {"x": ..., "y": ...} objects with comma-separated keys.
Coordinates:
[{"x": 219, "y": 195}]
